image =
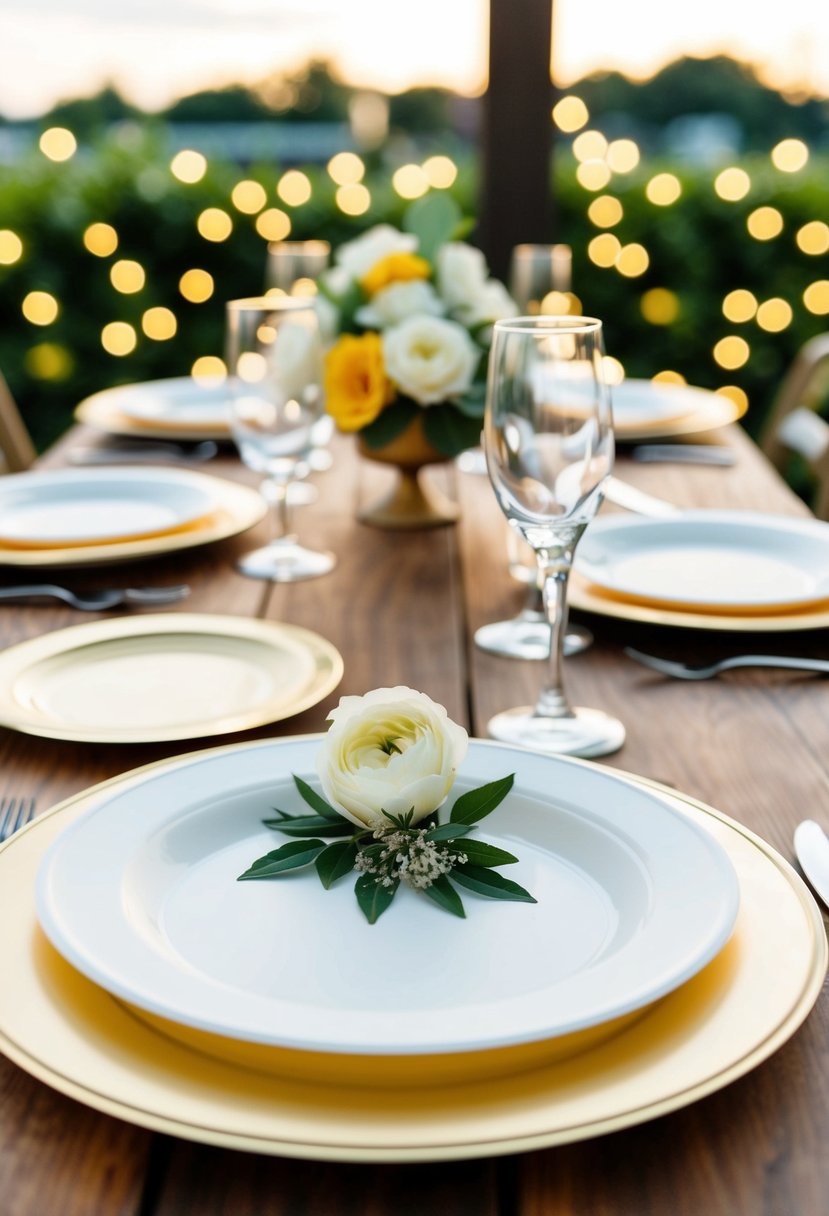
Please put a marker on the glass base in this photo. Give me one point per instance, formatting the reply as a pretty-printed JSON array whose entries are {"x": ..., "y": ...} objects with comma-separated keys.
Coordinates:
[
  {"x": 302, "y": 494},
  {"x": 473, "y": 461},
  {"x": 581, "y": 732},
  {"x": 285, "y": 561},
  {"x": 527, "y": 636}
]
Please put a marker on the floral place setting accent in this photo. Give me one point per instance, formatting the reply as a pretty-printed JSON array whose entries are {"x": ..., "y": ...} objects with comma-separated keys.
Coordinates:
[
  {"x": 386, "y": 766},
  {"x": 409, "y": 314}
]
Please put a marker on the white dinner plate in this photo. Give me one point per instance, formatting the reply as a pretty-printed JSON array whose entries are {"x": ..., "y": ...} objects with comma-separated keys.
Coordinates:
[
  {"x": 736, "y": 561},
  {"x": 64, "y": 507},
  {"x": 141, "y": 895},
  {"x": 178, "y": 406},
  {"x": 647, "y": 408}
]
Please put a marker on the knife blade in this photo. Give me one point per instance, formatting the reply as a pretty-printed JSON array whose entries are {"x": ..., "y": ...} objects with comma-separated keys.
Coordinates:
[
  {"x": 684, "y": 453},
  {"x": 811, "y": 846}
]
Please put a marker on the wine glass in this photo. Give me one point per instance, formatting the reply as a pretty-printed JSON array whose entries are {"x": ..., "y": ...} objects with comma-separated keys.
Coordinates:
[
  {"x": 274, "y": 360},
  {"x": 548, "y": 437}
]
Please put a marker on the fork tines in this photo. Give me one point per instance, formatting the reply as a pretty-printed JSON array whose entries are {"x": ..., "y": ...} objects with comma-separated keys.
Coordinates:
[{"x": 15, "y": 813}]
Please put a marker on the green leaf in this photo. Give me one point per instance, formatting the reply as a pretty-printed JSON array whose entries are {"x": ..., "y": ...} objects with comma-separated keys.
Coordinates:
[
  {"x": 489, "y": 883},
  {"x": 335, "y": 861},
  {"x": 479, "y": 853},
  {"x": 449, "y": 831},
  {"x": 472, "y": 403},
  {"x": 292, "y": 856},
  {"x": 309, "y": 825},
  {"x": 476, "y": 804},
  {"x": 390, "y": 423},
  {"x": 450, "y": 430},
  {"x": 316, "y": 801},
  {"x": 433, "y": 219},
  {"x": 444, "y": 894},
  {"x": 372, "y": 897}
]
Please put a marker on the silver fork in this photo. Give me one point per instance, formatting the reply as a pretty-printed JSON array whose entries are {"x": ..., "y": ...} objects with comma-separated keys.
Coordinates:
[
  {"x": 15, "y": 813},
  {"x": 704, "y": 671},
  {"x": 97, "y": 601}
]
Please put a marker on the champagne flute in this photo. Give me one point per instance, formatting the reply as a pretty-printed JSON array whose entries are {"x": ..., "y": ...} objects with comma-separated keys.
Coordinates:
[
  {"x": 548, "y": 437},
  {"x": 274, "y": 359}
]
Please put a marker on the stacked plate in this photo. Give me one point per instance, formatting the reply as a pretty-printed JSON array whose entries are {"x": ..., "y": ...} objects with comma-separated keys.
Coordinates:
[
  {"x": 669, "y": 952},
  {"x": 648, "y": 409},
  {"x": 83, "y": 516},
  {"x": 179, "y": 408},
  {"x": 733, "y": 570}
]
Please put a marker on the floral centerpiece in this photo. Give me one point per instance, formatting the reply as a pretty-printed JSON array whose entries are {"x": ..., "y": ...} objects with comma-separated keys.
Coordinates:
[
  {"x": 410, "y": 313},
  {"x": 386, "y": 767}
]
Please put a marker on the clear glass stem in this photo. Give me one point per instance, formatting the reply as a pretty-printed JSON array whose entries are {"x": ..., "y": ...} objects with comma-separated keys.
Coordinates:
[
  {"x": 278, "y": 495},
  {"x": 554, "y": 569}
]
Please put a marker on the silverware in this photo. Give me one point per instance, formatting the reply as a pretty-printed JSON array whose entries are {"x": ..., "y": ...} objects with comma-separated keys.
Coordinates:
[
  {"x": 15, "y": 813},
  {"x": 97, "y": 601},
  {"x": 704, "y": 671},
  {"x": 146, "y": 453},
  {"x": 633, "y": 499},
  {"x": 684, "y": 453},
  {"x": 811, "y": 847}
]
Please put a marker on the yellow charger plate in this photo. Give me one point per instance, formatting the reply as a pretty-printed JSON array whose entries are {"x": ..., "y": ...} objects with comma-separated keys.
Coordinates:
[
  {"x": 178, "y": 408},
  {"x": 735, "y": 1013},
  {"x": 698, "y": 411}
]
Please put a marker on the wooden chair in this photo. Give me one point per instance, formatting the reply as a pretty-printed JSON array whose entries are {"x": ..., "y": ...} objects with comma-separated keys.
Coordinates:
[
  {"x": 795, "y": 426},
  {"x": 16, "y": 447}
]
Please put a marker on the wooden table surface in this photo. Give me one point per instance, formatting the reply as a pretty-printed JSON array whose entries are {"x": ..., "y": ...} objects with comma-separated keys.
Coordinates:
[{"x": 402, "y": 608}]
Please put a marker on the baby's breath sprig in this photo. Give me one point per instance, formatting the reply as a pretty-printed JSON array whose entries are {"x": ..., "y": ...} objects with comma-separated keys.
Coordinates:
[{"x": 432, "y": 857}]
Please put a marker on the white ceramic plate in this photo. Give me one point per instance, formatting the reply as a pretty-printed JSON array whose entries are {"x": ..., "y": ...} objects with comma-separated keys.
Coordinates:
[
  {"x": 178, "y": 406},
  {"x": 646, "y": 408},
  {"x": 163, "y": 676},
  {"x": 727, "y": 560},
  {"x": 141, "y": 896},
  {"x": 65, "y": 507}
]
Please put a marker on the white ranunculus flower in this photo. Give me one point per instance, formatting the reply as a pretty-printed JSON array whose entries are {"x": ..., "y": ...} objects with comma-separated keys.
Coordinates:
[
  {"x": 429, "y": 358},
  {"x": 399, "y": 301},
  {"x": 461, "y": 274},
  {"x": 392, "y": 750},
  {"x": 357, "y": 257}
]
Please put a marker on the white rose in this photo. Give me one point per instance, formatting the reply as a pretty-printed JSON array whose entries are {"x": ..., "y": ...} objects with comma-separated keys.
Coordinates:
[
  {"x": 492, "y": 303},
  {"x": 461, "y": 274},
  {"x": 399, "y": 301},
  {"x": 357, "y": 257},
  {"x": 392, "y": 750},
  {"x": 429, "y": 358}
]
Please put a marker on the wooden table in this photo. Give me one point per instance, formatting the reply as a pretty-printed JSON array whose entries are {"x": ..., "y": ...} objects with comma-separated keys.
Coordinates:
[{"x": 402, "y": 608}]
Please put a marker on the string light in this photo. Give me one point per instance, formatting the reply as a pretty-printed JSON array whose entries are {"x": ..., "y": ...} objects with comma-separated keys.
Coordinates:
[
  {"x": 813, "y": 238},
  {"x": 570, "y": 114},
  {"x": 127, "y": 276},
  {"x": 605, "y": 211},
  {"x": 660, "y": 306},
  {"x": 346, "y": 168},
  {"x": 196, "y": 286},
  {"x": 622, "y": 155},
  {"x": 249, "y": 197},
  {"x": 273, "y": 224},
  {"x": 11, "y": 247},
  {"x": 734, "y": 393},
  {"x": 353, "y": 199},
  {"x": 188, "y": 166},
  {"x": 119, "y": 338},
  {"x": 409, "y": 181},
  {"x": 663, "y": 189},
  {"x": 440, "y": 171},
  {"x": 669, "y": 377},
  {"x": 774, "y": 315},
  {"x": 40, "y": 308},
  {"x": 633, "y": 260},
  {"x": 214, "y": 224},
  {"x": 593, "y": 174},
  {"x": 731, "y": 352},
  {"x": 208, "y": 369},
  {"x": 57, "y": 143},
  {"x": 816, "y": 297},
  {"x": 732, "y": 184},
  {"x": 159, "y": 324},
  {"x": 100, "y": 239},
  {"x": 739, "y": 305},
  {"x": 789, "y": 155},
  {"x": 48, "y": 361},
  {"x": 294, "y": 188},
  {"x": 604, "y": 249}
]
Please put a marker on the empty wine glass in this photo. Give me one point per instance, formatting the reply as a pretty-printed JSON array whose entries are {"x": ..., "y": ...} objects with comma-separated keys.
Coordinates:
[
  {"x": 549, "y": 444},
  {"x": 274, "y": 359}
]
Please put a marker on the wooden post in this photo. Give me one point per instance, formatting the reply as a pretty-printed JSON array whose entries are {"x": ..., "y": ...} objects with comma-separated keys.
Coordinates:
[{"x": 516, "y": 203}]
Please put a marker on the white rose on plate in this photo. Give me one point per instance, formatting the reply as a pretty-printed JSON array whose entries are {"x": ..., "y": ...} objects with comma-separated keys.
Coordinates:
[
  {"x": 399, "y": 301},
  {"x": 357, "y": 257},
  {"x": 429, "y": 358},
  {"x": 461, "y": 274},
  {"x": 393, "y": 750}
]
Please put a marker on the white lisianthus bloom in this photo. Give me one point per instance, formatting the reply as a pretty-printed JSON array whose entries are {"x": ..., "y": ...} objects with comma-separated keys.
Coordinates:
[
  {"x": 399, "y": 301},
  {"x": 393, "y": 750},
  {"x": 491, "y": 304},
  {"x": 429, "y": 358},
  {"x": 461, "y": 274},
  {"x": 357, "y": 257}
]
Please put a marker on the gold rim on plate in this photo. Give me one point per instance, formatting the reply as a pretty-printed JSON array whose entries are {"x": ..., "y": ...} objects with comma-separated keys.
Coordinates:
[
  {"x": 741, "y": 1008},
  {"x": 102, "y": 410},
  {"x": 113, "y": 681},
  {"x": 719, "y": 411}
]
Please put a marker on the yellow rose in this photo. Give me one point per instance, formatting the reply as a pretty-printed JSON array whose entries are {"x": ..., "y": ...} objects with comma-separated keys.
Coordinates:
[
  {"x": 394, "y": 268},
  {"x": 356, "y": 388}
]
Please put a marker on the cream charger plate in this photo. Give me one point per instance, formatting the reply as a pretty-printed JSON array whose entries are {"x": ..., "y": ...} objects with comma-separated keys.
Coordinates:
[
  {"x": 179, "y": 407},
  {"x": 163, "y": 676},
  {"x": 233, "y": 509},
  {"x": 645, "y": 409},
  {"x": 737, "y": 1011}
]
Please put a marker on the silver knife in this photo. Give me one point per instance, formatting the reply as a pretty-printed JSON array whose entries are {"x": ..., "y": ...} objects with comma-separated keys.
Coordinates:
[
  {"x": 811, "y": 845},
  {"x": 631, "y": 498},
  {"x": 684, "y": 453}
]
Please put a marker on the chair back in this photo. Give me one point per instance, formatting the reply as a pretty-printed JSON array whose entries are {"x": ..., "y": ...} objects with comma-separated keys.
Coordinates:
[
  {"x": 16, "y": 446},
  {"x": 795, "y": 426}
]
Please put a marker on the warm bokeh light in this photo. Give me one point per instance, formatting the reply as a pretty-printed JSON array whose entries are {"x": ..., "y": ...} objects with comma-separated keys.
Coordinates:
[
  {"x": 159, "y": 324},
  {"x": 40, "y": 308},
  {"x": 789, "y": 155},
  {"x": 346, "y": 169},
  {"x": 58, "y": 143},
  {"x": 440, "y": 171},
  {"x": 731, "y": 352},
  {"x": 127, "y": 276},
  {"x": 49, "y": 361},
  {"x": 660, "y": 306},
  {"x": 613, "y": 370},
  {"x": 734, "y": 393},
  {"x": 188, "y": 166},
  {"x": 669, "y": 377},
  {"x": 663, "y": 189},
  {"x": 590, "y": 145},
  {"x": 11, "y": 247},
  {"x": 273, "y": 225},
  {"x": 570, "y": 114},
  {"x": 774, "y": 315},
  {"x": 633, "y": 260},
  {"x": 622, "y": 155},
  {"x": 816, "y": 297},
  {"x": 555, "y": 304},
  {"x": 214, "y": 224},
  {"x": 604, "y": 249},
  {"x": 249, "y": 197},
  {"x": 813, "y": 238},
  {"x": 101, "y": 239},
  {"x": 119, "y": 338},
  {"x": 739, "y": 305},
  {"x": 593, "y": 174},
  {"x": 294, "y": 188},
  {"x": 765, "y": 223},
  {"x": 732, "y": 184},
  {"x": 196, "y": 286},
  {"x": 409, "y": 181},
  {"x": 353, "y": 199},
  {"x": 605, "y": 211},
  {"x": 208, "y": 369}
]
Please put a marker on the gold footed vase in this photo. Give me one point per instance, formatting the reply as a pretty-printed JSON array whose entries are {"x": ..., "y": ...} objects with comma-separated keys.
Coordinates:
[{"x": 410, "y": 504}]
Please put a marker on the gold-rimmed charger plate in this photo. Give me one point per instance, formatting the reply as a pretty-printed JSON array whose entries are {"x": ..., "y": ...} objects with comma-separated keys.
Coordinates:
[
  {"x": 739, "y": 1010},
  {"x": 698, "y": 411},
  {"x": 163, "y": 676},
  {"x": 235, "y": 509},
  {"x": 178, "y": 408}
]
